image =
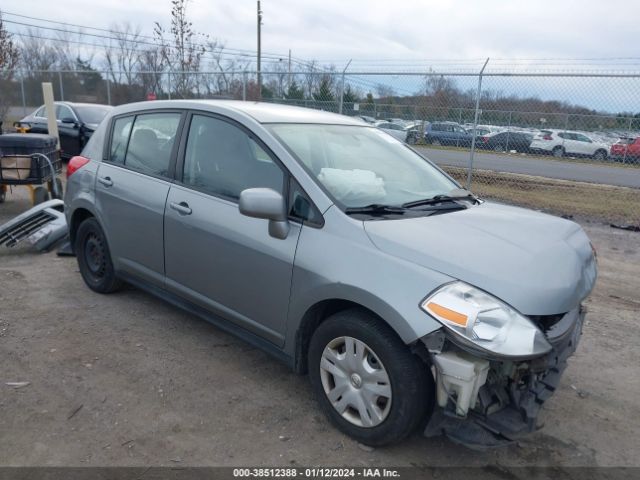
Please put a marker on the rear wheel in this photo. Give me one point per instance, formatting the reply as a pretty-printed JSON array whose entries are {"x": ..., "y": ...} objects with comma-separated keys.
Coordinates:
[
  {"x": 436, "y": 141},
  {"x": 600, "y": 155},
  {"x": 558, "y": 152},
  {"x": 366, "y": 380},
  {"x": 94, "y": 258}
]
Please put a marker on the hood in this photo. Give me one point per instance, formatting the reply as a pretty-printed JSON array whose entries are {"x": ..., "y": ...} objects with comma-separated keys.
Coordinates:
[{"x": 537, "y": 263}]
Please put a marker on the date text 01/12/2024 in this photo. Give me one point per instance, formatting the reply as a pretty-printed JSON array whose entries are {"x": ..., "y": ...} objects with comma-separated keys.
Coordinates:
[{"x": 316, "y": 472}]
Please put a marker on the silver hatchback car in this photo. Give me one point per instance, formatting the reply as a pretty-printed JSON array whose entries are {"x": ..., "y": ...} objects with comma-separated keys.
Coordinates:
[{"x": 411, "y": 303}]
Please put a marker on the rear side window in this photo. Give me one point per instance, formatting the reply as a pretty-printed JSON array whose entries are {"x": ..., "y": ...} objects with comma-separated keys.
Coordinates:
[
  {"x": 120, "y": 138},
  {"x": 223, "y": 160},
  {"x": 62, "y": 112},
  {"x": 145, "y": 143}
]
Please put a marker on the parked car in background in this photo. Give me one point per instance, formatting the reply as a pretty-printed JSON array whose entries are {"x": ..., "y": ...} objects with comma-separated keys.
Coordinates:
[
  {"x": 411, "y": 303},
  {"x": 627, "y": 149},
  {"x": 366, "y": 118},
  {"x": 480, "y": 131},
  {"x": 393, "y": 129},
  {"x": 446, "y": 133},
  {"x": 505, "y": 141},
  {"x": 560, "y": 143},
  {"x": 76, "y": 123}
]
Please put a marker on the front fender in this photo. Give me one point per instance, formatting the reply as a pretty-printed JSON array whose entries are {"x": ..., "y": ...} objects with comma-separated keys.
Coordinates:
[{"x": 339, "y": 262}]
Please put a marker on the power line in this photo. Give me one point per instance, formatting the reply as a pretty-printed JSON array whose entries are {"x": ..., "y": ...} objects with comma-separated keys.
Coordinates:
[{"x": 119, "y": 33}]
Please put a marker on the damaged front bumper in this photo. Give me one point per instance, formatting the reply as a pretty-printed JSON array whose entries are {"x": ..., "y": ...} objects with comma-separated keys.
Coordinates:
[{"x": 487, "y": 402}]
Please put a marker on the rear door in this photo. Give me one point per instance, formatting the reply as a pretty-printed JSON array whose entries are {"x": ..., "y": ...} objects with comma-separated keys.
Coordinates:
[
  {"x": 132, "y": 187},
  {"x": 217, "y": 258},
  {"x": 584, "y": 145}
]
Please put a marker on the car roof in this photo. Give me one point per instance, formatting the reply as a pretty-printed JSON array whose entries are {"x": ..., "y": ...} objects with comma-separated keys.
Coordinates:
[
  {"x": 259, "y": 111},
  {"x": 78, "y": 104}
]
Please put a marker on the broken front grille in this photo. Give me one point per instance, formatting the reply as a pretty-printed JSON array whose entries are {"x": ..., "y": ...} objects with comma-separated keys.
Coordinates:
[{"x": 14, "y": 235}]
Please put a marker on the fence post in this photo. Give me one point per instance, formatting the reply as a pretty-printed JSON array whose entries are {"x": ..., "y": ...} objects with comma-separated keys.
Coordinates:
[
  {"x": 506, "y": 148},
  {"x": 624, "y": 159},
  {"x": 24, "y": 100},
  {"x": 342, "y": 87},
  {"x": 459, "y": 123},
  {"x": 108, "y": 91},
  {"x": 244, "y": 86},
  {"x": 61, "y": 87},
  {"x": 169, "y": 84},
  {"x": 475, "y": 125}
]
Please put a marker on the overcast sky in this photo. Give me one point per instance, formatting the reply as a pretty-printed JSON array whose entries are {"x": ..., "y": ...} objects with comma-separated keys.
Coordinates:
[
  {"x": 402, "y": 35},
  {"x": 336, "y": 30}
]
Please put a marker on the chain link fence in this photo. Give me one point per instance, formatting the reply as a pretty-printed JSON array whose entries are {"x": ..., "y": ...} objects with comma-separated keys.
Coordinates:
[{"x": 566, "y": 143}]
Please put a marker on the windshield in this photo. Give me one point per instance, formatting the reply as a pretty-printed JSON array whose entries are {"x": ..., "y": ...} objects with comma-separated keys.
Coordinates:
[
  {"x": 361, "y": 165},
  {"x": 93, "y": 114}
]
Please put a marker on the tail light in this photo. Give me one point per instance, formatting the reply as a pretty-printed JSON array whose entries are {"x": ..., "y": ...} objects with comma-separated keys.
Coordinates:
[
  {"x": 547, "y": 137},
  {"x": 75, "y": 164},
  {"x": 485, "y": 139}
]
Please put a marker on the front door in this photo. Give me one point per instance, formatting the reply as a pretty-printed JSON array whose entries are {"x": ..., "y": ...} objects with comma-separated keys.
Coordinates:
[
  {"x": 131, "y": 191},
  {"x": 215, "y": 257}
]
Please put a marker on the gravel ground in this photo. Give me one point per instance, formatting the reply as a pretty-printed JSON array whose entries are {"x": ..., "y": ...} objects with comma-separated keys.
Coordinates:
[{"x": 127, "y": 380}]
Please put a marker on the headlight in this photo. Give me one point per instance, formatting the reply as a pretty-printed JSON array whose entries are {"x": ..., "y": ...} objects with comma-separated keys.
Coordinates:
[{"x": 482, "y": 320}]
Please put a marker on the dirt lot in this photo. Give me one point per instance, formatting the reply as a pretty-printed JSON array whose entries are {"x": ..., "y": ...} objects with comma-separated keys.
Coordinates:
[{"x": 127, "y": 380}]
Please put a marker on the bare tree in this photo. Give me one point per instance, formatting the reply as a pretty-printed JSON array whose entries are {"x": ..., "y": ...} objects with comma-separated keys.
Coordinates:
[
  {"x": 310, "y": 78},
  {"x": 9, "y": 56},
  {"x": 180, "y": 50},
  {"x": 122, "y": 57}
]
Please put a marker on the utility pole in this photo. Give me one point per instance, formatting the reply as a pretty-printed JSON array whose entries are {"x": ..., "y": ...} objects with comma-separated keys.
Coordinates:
[{"x": 259, "y": 53}]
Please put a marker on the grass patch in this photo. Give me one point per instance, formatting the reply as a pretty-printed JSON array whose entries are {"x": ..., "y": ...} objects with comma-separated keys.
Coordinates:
[{"x": 561, "y": 197}]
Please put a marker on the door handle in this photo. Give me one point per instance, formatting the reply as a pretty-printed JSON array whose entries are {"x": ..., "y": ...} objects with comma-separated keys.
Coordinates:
[
  {"x": 106, "y": 181},
  {"x": 182, "y": 208}
]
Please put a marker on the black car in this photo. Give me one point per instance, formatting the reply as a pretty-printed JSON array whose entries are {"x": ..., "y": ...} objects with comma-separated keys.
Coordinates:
[
  {"x": 76, "y": 123},
  {"x": 506, "y": 141}
]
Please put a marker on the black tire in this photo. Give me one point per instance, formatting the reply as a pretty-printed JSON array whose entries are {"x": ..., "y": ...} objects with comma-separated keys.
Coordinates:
[
  {"x": 59, "y": 188},
  {"x": 40, "y": 195},
  {"x": 94, "y": 258},
  {"x": 436, "y": 142},
  {"x": 600, "y": 155},
  {"x": 558, "y": 152},
  {"x": 411, "y": 140},
  {"x": 3, "y": 195},
  {"x": 411, "y": 381}
]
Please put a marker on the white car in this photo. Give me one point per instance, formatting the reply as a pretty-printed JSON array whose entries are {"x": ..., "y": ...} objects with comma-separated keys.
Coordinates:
[
  {"x": 561, "y": 142},
  {"x": 395, "y": 130}
]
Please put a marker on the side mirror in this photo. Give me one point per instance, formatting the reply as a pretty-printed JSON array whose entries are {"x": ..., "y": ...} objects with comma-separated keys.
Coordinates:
[
  {"x": 268, "y": 204},
  {"x": 68, "y": 120}
]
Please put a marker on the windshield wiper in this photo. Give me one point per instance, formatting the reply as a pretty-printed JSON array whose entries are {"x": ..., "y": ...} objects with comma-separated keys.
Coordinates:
[
  {"x": 457, "y": 194},
  {"x": 376, "y": 209}
]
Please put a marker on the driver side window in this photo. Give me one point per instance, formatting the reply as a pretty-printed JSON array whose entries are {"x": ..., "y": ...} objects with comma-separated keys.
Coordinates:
[{"x": 223, "y": 160}]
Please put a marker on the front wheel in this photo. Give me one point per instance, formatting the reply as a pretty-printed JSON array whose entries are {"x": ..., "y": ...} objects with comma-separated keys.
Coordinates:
[
  {"x": 367, "y": 381},
  {"x": 94, "y": 258}
]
